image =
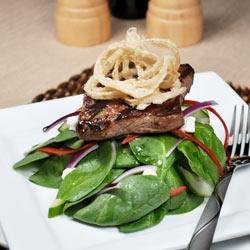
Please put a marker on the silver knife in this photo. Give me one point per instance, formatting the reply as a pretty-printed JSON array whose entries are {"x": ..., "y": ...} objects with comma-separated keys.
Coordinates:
[{"x": 203, "y": 234}]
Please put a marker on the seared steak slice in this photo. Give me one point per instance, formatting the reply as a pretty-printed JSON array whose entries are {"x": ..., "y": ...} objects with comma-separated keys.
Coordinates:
[{"x": 103, "y": 119}]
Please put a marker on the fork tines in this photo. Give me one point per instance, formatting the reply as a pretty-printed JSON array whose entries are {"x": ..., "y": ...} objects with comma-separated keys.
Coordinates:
[{"x": 240, "y": 132}]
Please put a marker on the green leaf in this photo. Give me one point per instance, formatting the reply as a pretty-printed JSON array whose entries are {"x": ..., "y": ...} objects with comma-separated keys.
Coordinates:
[
  {"x": 49, "y": 174},
  {"x": 163, "y": 170},
  {"x": 168, "y": 141},
  {"x": 149, "y": 150},
  {"x": 149, "y": 220},
  {"x": 191, "y": 202},
  {"x": 61, "y": 137},
  {"x": 71, "y": 207},
  {"x": 173, "y": 179},
  {"x": 195, "y": 160},
  {"x": 63, "y": 127},
  {"x": 33, "y": 157},
  {"x": 198, "y": 160},
  {"x": 196, "y": 183},
  {"x": 201, "y": 116},
  {"x": 88, "y": 175},
  {"x": 205, "y": 133},
  {"x": 74, "y": 143},
  {"x": 125, "y": 157},
  {"x": 167, "y": 173},
  {"x": 56, "y": 208},
  {"x": 136, "y": 196}
]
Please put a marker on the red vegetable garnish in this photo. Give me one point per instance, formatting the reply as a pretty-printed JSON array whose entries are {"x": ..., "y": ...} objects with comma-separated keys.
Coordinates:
[
  {"x": 191, "y": 102},
  {"x": 57, "y": 151},
  {"x": 129, "y": 139},
  {"x": 177, "y": 191},
  {"x": 201, "y": 145}
]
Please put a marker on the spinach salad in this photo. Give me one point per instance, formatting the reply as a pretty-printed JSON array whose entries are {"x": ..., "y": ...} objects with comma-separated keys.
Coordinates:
[{"x": 131, "y": 182}]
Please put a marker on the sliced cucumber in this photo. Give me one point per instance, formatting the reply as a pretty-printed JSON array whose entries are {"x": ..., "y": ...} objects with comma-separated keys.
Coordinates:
[
  {"x": 74, "y": 143},
  {"x": 63, "y": 127},
  {"x": 56, "y": 208},
  {"x": 201, "y": 116},
  {"x": 196, "y": 183}
]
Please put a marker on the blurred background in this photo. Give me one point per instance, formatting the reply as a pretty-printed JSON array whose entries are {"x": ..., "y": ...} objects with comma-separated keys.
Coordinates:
[{"x": 33, "y": 60}]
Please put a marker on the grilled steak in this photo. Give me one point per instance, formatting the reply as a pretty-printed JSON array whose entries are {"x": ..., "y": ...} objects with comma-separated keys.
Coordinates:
[{"x": 103, "y": 119}]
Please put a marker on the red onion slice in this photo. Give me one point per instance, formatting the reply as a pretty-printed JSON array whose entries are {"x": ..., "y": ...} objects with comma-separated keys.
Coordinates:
[
  {"x": 171, "y": 150},
  {"x": 79, "y": 156},
  {"x": 133, "y": 171},
  {"x": 106, "y": 189},
  {"x": 201, "y": 105},
  {"x": 60, "y": 120},
  {"x": 115, "y": 183},
  {"x": 114, "y": 146}
]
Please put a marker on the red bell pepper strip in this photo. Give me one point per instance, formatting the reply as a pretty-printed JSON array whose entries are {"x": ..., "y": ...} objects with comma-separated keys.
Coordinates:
[
  {"x": 57, "y": 151},
  {"x": 129, "y": 139},
  {"x": 191, "y": 102},
  {"x": 177, "y": 191},
  {"x": 201, "y": 145}
]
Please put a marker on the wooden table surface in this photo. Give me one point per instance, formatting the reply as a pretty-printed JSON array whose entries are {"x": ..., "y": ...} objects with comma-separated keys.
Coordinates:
[{"x": 32, "y": 60}]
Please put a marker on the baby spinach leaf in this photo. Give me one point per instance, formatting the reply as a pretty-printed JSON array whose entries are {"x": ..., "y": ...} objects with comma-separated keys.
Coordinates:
[
  {"x": 149, "y": 220},
  {"x": 71, "y": 207},
  {"x": 74, "y": 143},
  {"x": 205, "y": 133},
  {"x": 196, "y": 183},
  {"x": 31, "y": 168},
  {"x": 125, "y": 157},
  {"x": 163, "y": 170},
  {"x": 149, "y": 149},
  {"x": 191, "y": 202},
  {"x": 64, "y": 126},
  {"x": 198, "y": 160},
  {"x": 168, "y": 141},
  {"x": 49, "y": 174},
  {"x": 195, "y": 160},
  {"x": 173, "y": 179},
  {"x": 88, "y": 175},
  {"x": 201, "y": 116},
  {"x": 64, "y": 136},
  {"x": 35, "y": 156},
  {"x": 136, "y": 196},
  {"x": 61, "y": 137},
  {"x": 167, "y": 173}
]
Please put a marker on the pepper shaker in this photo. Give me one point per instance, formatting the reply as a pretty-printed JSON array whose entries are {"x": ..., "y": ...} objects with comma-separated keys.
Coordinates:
[
  {"x": 178, "y": 20},
  {"x": 82, "y": 22}
]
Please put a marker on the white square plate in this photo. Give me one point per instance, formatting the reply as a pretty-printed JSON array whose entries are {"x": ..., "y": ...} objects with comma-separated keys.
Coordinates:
[{"x": 23, "y": 209}]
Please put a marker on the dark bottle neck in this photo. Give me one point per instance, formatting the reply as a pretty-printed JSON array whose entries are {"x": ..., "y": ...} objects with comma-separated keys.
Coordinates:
[{"x": 128, "y": 9}]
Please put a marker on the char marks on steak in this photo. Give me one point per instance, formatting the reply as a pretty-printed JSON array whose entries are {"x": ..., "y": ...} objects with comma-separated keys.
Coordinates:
[{"x": 103, "y": 119}]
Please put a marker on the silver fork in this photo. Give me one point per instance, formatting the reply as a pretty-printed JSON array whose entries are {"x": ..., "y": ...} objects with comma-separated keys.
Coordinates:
[{"x": 240, "y": 157}]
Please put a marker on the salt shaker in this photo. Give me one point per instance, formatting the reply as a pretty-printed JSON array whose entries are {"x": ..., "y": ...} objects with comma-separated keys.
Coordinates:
[
  {"x": 178, "y": 20},
  {"x": 82, "y": 22}
]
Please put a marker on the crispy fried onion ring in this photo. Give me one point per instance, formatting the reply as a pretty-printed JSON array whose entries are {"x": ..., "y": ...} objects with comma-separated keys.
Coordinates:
[{"x": 134, "y": 71}]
